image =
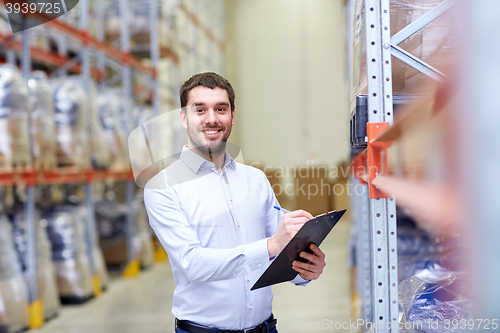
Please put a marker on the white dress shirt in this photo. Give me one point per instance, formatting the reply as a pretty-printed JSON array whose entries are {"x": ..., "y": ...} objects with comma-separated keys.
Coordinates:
[{"x": 215, "y": 228}]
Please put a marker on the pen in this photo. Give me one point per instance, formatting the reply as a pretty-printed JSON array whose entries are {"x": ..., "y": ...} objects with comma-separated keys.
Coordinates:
[{"x": 283, "y": 209}]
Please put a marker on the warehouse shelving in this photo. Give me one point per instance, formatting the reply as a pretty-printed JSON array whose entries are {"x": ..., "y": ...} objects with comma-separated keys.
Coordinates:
[
  {"x": 127, "y": 63},
  {"x": 32, "y": 177},
  {"x": 375, "y": 209}
]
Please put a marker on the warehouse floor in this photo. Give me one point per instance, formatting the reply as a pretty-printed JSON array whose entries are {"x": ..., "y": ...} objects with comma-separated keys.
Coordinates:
[{"x": 143, "y": 304}]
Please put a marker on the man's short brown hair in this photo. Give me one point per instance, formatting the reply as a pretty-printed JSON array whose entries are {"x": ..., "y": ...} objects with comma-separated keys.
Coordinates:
[{"x": 209, "y": 80}]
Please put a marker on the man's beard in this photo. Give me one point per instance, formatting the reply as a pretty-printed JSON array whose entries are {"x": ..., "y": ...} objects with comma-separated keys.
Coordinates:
[{"x": 204, "y": 146}]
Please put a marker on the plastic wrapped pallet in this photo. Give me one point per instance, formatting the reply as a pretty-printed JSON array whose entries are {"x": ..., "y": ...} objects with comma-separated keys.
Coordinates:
[
  {"x": 46, "y": 277},
  {"x": 42, "y": 121},
  {"x": 101, "y": 153},
  {"x": 69, "y": 253},
  {"x": 14, "y": 113},
  {"x": 111, "y": 221},
  {"x": 434, "y": 44},
  {"x": 97, "y": 255},
  {"x": 71, "y": 122},
  {"x": 109, "y": 108},
  {"x": 139, "y": 22},
  {"x": 13, "y": 290},
  {"x": 145, "y": 233},
  {"x": 434, "y": 301}
]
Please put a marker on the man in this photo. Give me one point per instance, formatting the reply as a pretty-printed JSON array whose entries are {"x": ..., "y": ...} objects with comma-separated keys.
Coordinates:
[{"x": 215, "y": 218}]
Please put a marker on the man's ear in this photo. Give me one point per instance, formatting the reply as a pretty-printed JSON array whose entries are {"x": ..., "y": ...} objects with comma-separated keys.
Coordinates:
[
  {"x": 182, "y": 116},
  {"x": 232, "y": 116}
]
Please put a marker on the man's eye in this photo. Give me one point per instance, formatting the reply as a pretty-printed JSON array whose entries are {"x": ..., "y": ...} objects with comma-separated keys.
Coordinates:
[
  {"x": 199, "y": 110},
  {"x": 221, "y": 109}
]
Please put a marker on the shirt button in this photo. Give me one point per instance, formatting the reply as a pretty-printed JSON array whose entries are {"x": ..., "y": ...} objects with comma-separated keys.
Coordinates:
[
  {"x": 259, "y": 265},
  {"x": 248, "y": 279},
  {"x": 234, "y": 274},
  {"x": 250, "y": 307}
]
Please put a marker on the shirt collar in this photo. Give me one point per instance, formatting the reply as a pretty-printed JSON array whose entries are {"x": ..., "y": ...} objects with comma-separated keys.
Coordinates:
[{"x": 195, "y": 161}]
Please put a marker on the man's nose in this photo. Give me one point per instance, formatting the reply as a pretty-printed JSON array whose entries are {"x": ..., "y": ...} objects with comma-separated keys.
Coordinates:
[{"x": 211, "y": 117}]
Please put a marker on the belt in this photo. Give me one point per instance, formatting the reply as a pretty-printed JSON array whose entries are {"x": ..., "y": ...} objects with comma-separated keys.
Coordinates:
[{"x": 191, "y": 327}]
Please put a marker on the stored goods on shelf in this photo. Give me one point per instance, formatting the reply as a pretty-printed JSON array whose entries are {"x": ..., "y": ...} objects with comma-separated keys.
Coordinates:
[
  {"x": 139, "y": 22},
  {"x": 109, "y": 106},
  {"x": 71, "y": 122},
  {"x": 46, "y": 278},
  {"x": 42, "y": 121},
  {"x": 97, "y": 256},
  {"x": 101, "y": 151},
  {"x": 14, "y": 113},
  {"x": 434, "y": 44},
  {"x": 13, "y": 290},
  {"x": 433, "y": 301},
  {"x": 69, "y": 253},
  {"x": 111, "y": 221}
]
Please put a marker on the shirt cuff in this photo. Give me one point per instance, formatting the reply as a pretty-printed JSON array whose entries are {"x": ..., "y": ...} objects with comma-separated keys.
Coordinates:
[
  {"x": 256, "y": 254},
  {"x": 299, "y": 281}
]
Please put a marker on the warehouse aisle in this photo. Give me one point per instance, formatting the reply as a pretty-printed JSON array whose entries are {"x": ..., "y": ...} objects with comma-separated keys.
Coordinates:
[{"x": 143, "y": 304}]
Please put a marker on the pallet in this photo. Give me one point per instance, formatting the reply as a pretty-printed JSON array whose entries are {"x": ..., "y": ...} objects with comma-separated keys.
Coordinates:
[
  {"x": 44, "y": 165},
  {"x": 8, "y": 166},
  {"x": 75, "y": 300}
]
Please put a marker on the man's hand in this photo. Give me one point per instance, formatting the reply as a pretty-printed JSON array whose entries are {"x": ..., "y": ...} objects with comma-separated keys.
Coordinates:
[
  {"x": 289, "y": 226},
  {"x": 314, "y": 267}
]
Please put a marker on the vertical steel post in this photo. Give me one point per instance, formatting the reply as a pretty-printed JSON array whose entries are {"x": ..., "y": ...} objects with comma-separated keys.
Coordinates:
[
  {"x": 382, "y": 211},
  {"x": 62, "y": 47},
  {"x": 127, "y": 93},
  {"x": 29, "y": 206},
  {"x": 100, "y": 37},
  {"x": 89, "y": 202},
  {"x": 36, "y": 307},
  {"x": 11, "y": 55},
  {"x": 222, "y": 37},
  {"x": 155, "y": 53},
  {"x": 361, "y": 214},
  {"x": 196, "y": 38}
]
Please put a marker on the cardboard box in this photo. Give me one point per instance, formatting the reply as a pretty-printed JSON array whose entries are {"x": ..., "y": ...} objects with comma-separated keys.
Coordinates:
[{"x": 312, "y": 189}]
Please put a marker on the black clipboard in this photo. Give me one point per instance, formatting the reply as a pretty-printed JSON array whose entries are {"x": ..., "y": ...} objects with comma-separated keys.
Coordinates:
[{"x": 313, "y": 231}]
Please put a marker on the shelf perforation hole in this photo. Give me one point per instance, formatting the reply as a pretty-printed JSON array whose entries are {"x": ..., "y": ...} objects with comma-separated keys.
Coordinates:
[
  {"x": 378, "y": 232},
  {"x": 375, "y": 111},
  {"x": 381, "y": 318},
  {"x": 373, "y": 43},
  {"x": 388, "y": 113},
  {"x": 374, "y": 77},
  {"x": 372, "y": 9},
  {"x": 372, "y": 26},
  {"x": 380, "y": 300},
  {"x": 373, "y": 60},
  {"x": 380, "y": 283},
  {"x": 379, "y": 249},
  {"x": 374, "y": 94},
  {"x": 393, "y": 284},
  {"x": 379, "y": 266},
  {"x": 378, "y": 214}
]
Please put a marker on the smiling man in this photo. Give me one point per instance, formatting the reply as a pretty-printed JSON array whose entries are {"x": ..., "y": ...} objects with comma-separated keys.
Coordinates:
[{"x": 215, "y": 218}]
